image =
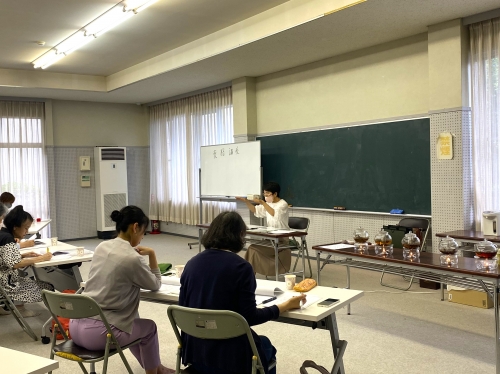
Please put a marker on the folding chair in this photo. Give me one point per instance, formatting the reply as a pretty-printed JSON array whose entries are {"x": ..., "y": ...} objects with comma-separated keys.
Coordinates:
[
  {"x": 5, "y": 299},
  {"x": 76, "y": 306},
  {"x": 229, "y": 325},
  {"x": 414, "y": 223},
  {"x": 301, "y": 224}
]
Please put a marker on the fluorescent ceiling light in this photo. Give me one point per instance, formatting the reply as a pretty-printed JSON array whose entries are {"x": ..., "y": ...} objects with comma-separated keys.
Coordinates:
[
  {"x": 56, "y": 58},
  {"x": 114, "y": 23},
  {"x": 106, "y": 21},
  {"x": 75, "y": 41},
  {"x": 111, "y": 17},
  {"x": 144, "y": 6},
  {"x": 45, "y": 58}
]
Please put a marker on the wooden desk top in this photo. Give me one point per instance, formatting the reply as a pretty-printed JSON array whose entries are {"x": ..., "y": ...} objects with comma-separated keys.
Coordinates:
[
  {"x": 264, "y": 234},
  {"x": 469, "y": 235},
  {"x": 427, "y": 260}
]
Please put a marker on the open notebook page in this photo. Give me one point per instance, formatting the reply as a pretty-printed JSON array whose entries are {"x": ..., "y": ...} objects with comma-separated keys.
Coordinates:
[{"x": 267, "y": 288}]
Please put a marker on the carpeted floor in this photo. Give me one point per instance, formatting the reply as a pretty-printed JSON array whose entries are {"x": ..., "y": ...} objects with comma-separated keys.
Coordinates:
[{"x": 388, "y": 332}]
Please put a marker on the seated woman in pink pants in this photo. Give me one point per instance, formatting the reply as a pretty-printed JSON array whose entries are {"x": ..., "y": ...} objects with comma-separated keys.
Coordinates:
[{"x": 117, "y": 274}]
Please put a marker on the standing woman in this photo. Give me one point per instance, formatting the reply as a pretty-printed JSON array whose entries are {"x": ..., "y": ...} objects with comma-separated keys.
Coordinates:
[
  {"x": 218, "y": 278},
  {"x": 117, "y": 274},
  {"x": 18, "y": 288},
  {"x": 275, "y": 210}
]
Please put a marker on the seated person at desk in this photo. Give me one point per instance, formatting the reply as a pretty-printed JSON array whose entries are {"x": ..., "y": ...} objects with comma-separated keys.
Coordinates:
[
  {"x": 117, "y": 274},
  {"x": 18, "y": 288},
  {"x": 7, "y": 199},
  {"x": 218, "y": 278},
  {"x": 275, "y": 210}
]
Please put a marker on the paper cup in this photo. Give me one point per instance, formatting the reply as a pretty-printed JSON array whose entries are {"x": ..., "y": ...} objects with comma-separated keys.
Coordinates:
[
  {"x": 80, "y": 251},
  {"x": 290, "y": 281},
  {"x": 178, "y": 270},
  {"x": 53, "y": 242}
]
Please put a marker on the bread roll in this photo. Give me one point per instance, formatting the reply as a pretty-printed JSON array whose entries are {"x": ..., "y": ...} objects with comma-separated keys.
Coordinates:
[{"x": 306, "y": 285}]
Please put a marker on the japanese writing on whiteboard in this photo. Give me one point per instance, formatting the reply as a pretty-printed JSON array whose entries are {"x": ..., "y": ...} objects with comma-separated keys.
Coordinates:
[{"x": 226, "y": 151}]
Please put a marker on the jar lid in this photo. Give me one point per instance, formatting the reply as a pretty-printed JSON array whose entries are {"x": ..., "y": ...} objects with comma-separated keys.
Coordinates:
[
  {"x": 448, "y": 245},
  {"x": 410, "y": 238},
  {"x": 360, "y": 232},
  {"x": 486, "y": 246}
]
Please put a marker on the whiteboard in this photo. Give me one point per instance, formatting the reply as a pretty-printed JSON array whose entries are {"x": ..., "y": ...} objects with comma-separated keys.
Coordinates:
[{"x": 230, "y": 169}]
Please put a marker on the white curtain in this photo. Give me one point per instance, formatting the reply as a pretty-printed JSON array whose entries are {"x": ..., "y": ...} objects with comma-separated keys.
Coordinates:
[
  {"x": 485, "y": 95},
  {"x": 177, "y": 131},
  {"x": 23, "y": 166}
]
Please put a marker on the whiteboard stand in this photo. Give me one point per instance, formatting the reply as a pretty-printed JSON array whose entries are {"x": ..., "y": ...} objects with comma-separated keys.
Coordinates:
[{"x": 200, "y": 212}]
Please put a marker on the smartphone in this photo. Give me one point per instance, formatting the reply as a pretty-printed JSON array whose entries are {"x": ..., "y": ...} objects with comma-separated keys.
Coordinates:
[{"x": 328, "y": 302}]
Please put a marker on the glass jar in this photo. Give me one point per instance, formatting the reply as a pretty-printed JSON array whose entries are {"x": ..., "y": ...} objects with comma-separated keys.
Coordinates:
[
  {"x": 383, "y": 238},
  {"x": 411, "y": 246},
  {"x": 383, "y": 243},
  {"x": 448, "y": 246},
  {"x": 361, "y": 237},
  {"x": 485, "y": 249}
]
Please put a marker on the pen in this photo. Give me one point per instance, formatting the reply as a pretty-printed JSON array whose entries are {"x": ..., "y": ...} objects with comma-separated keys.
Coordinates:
[{"x": 269, "y": 300}]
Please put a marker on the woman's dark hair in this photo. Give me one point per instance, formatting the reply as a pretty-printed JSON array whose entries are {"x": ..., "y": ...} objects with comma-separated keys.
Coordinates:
[
  {"x": 128, "y": 216},
  {"x": 272, "y": 187},
  {"x": 16, "y": 217},
  {"x": 7, "y": 197},
  {"x": 225, "y": 232}
]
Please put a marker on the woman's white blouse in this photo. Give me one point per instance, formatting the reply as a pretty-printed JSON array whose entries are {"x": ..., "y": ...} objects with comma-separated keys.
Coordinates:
[{"x": 280, "y": 218}]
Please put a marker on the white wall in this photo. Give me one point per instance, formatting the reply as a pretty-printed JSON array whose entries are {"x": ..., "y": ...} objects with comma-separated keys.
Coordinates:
[
  {"x": 385, "y": 81},
  {"x": 78, "y": 123}
]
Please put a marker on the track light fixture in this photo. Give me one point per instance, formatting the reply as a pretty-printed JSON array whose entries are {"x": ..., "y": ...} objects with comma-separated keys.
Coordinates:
[{"x": 103, "y": 23}]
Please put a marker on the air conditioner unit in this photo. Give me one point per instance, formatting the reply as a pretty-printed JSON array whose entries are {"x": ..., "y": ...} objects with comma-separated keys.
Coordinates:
[{"x": 111, "y": 187}]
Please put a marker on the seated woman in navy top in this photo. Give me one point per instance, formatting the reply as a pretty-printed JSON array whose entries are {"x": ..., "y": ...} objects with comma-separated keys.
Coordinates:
[{"x": 218, "y": 278}]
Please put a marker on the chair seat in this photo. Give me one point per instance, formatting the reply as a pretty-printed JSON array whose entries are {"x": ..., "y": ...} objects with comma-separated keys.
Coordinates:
[{"x": 71, "y": 348}]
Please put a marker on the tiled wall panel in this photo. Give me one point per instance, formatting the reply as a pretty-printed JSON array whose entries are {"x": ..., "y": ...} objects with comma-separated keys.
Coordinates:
[
  {"x": 75, "y": 206},
  {"x": 451, "y": 179}
]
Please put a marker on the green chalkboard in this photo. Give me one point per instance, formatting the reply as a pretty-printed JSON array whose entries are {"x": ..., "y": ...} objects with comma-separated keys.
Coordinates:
[{"x": 374, "y": 168}]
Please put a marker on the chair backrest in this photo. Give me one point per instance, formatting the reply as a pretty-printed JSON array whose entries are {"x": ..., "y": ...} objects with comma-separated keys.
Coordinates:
[
  {"x": 210, "y": 324},
  {"x": 71, "y": 305},
  {"x": 298, "y": 223},
  {"x": 418, "y": 223}
]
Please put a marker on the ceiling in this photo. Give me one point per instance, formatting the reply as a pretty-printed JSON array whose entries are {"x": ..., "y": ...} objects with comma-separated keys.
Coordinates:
[{"x": 171, "y": 25}]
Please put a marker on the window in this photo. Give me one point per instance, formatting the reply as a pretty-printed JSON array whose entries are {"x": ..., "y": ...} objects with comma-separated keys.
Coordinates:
[
  {"x": 23, "y": 168},
  {"x": 177, "y": 131}
]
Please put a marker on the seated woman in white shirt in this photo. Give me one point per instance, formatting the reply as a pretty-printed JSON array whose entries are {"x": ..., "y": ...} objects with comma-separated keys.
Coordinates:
[
  {"x": 117, "y": 274},
  {"x": 275, "y": 210}
]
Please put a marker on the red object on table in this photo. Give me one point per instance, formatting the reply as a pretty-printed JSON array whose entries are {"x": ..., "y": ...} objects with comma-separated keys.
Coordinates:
[{"x": 155, "y": 227}]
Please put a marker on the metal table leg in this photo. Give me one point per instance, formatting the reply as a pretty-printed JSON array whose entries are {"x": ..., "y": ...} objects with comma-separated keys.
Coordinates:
[
  {"x": 348, "y": 270},
  {"x": 200, "y": 235},
  {"x": 497, "y": 329},
  {"x": 276, "y": 258},
  {"x": 318, "y": 261},
  {"x": 331, "y": 323},
  {"x": 303, "y": 258},
  {"x": 441, "y": 285}
]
